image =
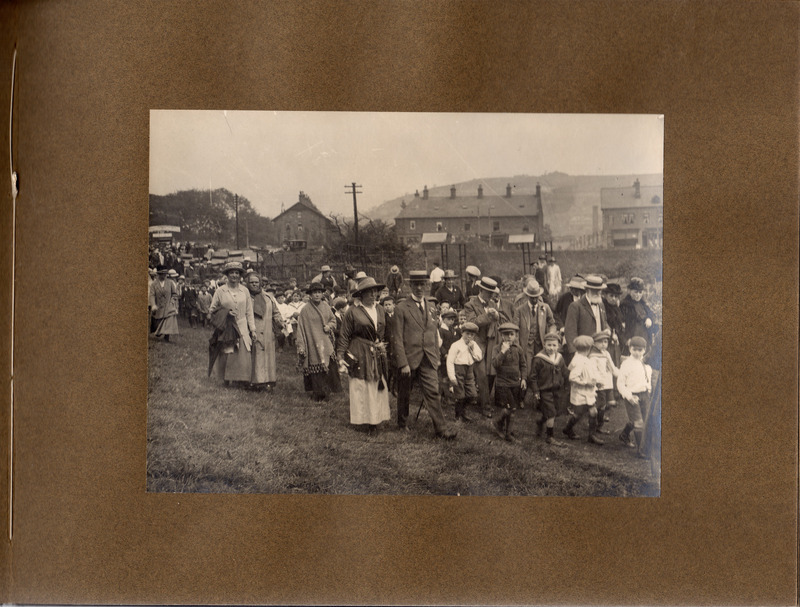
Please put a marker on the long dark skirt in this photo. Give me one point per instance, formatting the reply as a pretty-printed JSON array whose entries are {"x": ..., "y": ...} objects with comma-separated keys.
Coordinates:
[{"x": 323, "y": 383}]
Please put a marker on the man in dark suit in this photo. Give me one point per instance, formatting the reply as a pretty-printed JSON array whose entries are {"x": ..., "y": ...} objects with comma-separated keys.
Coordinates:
[
  {"x": 535, "y": 320},
  {"x": 483, "y": 310},
  {"x": 586, "y": 316},
  {"x": 415, "y": 340}
]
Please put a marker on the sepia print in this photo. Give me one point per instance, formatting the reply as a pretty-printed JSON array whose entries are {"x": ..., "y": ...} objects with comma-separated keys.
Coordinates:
[{"x": 405, "y": 303}]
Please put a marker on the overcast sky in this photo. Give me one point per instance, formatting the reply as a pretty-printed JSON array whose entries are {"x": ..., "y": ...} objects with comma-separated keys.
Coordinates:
[{"x": 268, "y": 157}]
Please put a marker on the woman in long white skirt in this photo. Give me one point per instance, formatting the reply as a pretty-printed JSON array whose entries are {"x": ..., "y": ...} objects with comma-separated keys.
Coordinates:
[{"x": 361, "y": 349}]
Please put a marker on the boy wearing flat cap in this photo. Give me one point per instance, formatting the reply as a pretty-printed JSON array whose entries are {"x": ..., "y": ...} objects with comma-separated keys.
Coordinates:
[
  {"x": 583, "y": 389},
  {"x": 509, "y": 362},
  {"x": 633, "y": 384}
]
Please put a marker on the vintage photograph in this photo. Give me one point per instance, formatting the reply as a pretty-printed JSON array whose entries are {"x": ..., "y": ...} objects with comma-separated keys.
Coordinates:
[{"x": 380, "y": 303}]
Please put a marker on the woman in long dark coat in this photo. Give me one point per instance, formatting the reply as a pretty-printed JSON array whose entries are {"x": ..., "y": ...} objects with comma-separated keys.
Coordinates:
[{"x": 636, "y": 314}]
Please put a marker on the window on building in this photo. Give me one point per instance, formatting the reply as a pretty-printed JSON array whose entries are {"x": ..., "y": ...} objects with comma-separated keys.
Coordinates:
[
  {"x": 299, "y": 227},
  {"x": 645, "y": 217},
  {"x": 467, "y": 227},
  {"x": 496, "y": 226},
  {"x": 525, "y": 228},
  {"x": 627, "y": 218},
  {"x": 299, "y": 215},
  {"x": 288, "y": 228},
  {"x": 439, "y": 227},
  {"x": 660, "y": 218},
  {"x": 412, "y": 225}
]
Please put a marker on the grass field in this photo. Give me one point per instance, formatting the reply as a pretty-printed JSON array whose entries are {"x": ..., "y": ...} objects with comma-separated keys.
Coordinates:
[{"x": 204, "y": 437}]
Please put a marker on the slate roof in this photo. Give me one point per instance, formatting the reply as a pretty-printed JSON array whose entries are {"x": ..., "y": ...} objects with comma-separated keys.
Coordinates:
[
  {"x": 623, "y": 198},
  {"x": 304, "y": 203},
  {"x": 518, "y": 205}
]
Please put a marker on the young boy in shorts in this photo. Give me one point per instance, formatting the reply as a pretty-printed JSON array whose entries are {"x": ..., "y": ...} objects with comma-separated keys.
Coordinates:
[
  {"x": 509, "y": 362},
  {"x": 461, "y": 359},
  {"x": 606, "y": 372},
  {"x": 583, "y": 389},
  {"x": 633, "y": 384},
  {"x": 548, "y": 376}
]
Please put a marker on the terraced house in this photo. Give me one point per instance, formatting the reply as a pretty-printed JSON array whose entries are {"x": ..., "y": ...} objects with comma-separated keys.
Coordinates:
[
  {"x": 485, "y": 215},
  {"x": 633, "y": 217}
]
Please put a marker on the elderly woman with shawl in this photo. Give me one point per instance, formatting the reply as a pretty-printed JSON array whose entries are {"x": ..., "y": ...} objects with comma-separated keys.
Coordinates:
[
  {"x": 163, "y": 300},
  {"x": 316, "y": 327},
  {"x": 232, "y": 316},
  {"x": 361, "y": 351},
  {"x": 269, "y": 323},
  {"x": 639, "y": 320}
]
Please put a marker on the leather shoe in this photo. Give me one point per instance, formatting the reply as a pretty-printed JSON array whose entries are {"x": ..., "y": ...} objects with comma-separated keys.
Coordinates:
[{"x": 596, "y": 440}]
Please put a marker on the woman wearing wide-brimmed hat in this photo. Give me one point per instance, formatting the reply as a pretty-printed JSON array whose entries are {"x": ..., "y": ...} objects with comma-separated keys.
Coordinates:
[
  {"x": 163, "y": 300},
  {"x": 316, "y": 327},
  {"x": 361, "y": 350},
  {"x": 231, "y": 313}
]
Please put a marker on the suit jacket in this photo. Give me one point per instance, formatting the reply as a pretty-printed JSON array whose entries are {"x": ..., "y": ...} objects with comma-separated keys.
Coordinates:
[
  {"x": 580, "y": 321},
  {"x": 415, "y": 335},
  {"x": 539, "y": 319}
]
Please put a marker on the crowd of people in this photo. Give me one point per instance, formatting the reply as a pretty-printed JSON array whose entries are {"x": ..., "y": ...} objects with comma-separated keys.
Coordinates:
[{"x": 575, "y": 351}]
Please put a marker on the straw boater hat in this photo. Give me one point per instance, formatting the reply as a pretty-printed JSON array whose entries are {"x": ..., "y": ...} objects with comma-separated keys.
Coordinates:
[
  {"x": 325, "y": 269},
  {"x": 473, "y": 271},
  {"x": 532, "y": 289},
  {"x": 595, "y": 283},
  {"x": 366, "y": 284},
  {"x": 489, "y": 284},
  {"x": 417, "y": 276},
  {"x": 576, "y": 283},
  {"x": 231, "y": 266}
]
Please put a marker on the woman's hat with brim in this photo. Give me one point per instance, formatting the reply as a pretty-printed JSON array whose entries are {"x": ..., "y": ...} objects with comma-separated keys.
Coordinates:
[
  {"x": 360, "y": 275},
  {"x": 172, "y": 274},
  {"x": 315, "y": 286},
  {"x": 367, "y": 284},
  {"x": 613, "y": 288},
  {"x": 473, "y": 271},
  {"x": 532, "y": 289},
  {"x": 636, "y": 284},
  {"x": 395, "y": 270},
  {"x": 489, "y": 284},
  {"x": 231, "y": 266},
  {"x": 161, "y": 269}
]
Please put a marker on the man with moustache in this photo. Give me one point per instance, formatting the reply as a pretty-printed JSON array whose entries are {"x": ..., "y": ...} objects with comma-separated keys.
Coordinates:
[{"x": 586, "y": 316}]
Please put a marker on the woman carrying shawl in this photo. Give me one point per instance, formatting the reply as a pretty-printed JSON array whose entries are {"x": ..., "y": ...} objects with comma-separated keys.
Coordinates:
[
  {"x": 316, "y": 325},
  {"x": 361, "y": 351}
]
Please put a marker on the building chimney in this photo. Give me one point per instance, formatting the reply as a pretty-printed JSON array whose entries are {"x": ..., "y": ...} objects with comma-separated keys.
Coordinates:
[
  {"x": 538, "y": 191},
  {"x": 636, "y": 191},
  {"x": 480, "y": 191},
  {"x": 452, "y": 191},
  {"x": 416, "y": 194},
  {"x": 508, "y": 190},
  {"x": 425, "y": 193}
]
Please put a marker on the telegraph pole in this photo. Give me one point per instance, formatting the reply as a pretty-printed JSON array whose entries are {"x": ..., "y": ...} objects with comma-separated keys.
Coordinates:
[
  {"x": 236, "y": 206},
  {"x": 352, "y": 190}
]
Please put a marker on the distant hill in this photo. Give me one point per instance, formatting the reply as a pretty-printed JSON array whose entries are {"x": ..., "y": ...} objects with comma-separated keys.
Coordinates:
[{"x": 567, "y": 200}]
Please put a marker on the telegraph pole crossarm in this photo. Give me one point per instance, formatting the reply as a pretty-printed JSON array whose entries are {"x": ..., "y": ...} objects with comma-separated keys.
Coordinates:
[{"x": 353, "y": 189}]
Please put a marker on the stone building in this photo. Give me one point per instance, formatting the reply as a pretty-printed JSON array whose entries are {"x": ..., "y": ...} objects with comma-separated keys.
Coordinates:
[
  {"x": 302, "y": 225},
  {"x": 633, "y": 217}
]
